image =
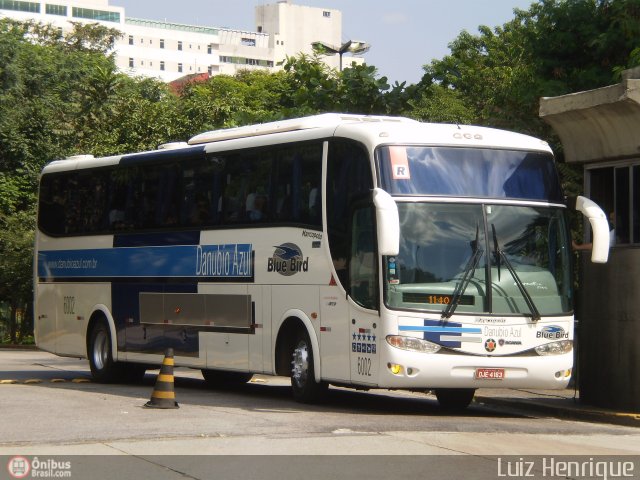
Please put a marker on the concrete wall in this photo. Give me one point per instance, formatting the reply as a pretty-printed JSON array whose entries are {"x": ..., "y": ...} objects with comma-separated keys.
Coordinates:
[{"x": 609, "y": 330}]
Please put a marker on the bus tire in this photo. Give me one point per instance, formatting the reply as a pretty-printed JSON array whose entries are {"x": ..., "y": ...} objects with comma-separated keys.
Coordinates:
[
  {"x": 303, "y": 382},
  {"x": 218, "y": 378},
  {"x": 103, "y": 367},
  {"x": 454, "y": 399}
]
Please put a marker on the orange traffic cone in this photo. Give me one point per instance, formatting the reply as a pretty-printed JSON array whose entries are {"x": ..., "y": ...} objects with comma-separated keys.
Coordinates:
[{"x": 163, "y": 395}]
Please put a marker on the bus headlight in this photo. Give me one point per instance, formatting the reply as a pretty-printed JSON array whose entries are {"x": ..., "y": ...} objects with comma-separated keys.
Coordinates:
[
  {"x": 555, "y": 348},
  {"x": 412, "y": 344}
]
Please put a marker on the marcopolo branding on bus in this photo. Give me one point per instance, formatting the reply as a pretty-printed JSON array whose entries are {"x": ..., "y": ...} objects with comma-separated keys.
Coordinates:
[
  {"x": 552, "y": 332},
  {"x": 287, "y": 260}
]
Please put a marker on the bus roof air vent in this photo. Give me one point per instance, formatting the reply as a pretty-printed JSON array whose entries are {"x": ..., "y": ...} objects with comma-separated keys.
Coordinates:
[
  {"x": 296, "y": 124},
  {"x": 79, "y": 158},
  {"x": 172, "y": 145}
]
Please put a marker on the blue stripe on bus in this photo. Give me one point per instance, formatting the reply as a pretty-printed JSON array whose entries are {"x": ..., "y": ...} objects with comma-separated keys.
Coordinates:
[
  {"x": 434, "y": 330},
  {"x": 185, "y": 261}
]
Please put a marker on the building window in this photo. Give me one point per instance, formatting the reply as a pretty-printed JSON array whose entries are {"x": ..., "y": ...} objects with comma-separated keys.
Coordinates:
[
  {"x": 131, "y": 62},
  {"x": 91, "y": 14},
  {"x": 248, "y": 42},
  {"x": 56, "y": 10},
  {"x": 180, "y": 67},
  {"x": 141, "y": 41},
  {"x": 20, "y": 6},
  {"x": 130, "y": 39},
  {"x": 162, "y": 66},
  {"x": 210, "y": 70},
  {"x": 179, "y": 45},
  {"x": 150, "y": 41},
  {"x": 269, "y": 63},
  {"x": 617, "y": 191},
  {"x": 326, "y": 14},
  {"x": 259, "y": 28},
  {"x": 209, "y": 49},
  {"x": 162, "y": 43}
]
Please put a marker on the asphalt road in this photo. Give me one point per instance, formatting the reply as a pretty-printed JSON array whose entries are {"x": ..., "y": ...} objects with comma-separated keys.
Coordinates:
[{"x": 51, "y": 410}]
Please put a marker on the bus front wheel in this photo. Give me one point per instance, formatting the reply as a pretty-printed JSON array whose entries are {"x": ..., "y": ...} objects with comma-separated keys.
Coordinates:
[
  {"x": 303, "y": 382},
  {"x": 454, "y": 399},
  {"x": 103, "y": 368}
]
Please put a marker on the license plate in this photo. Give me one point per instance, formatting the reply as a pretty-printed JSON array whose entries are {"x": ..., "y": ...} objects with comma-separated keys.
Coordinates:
[{"x": 490, "y": 373}]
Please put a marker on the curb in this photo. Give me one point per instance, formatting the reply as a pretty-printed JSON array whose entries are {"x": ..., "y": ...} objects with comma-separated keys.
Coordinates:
[
  {"x": 11, "y": 346},
  {"x": 566, "y": 412}
]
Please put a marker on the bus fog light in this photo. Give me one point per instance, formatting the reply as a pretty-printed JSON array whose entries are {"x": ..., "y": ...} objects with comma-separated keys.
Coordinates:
[
  {"x": 412, "y": 344},
  {"x": 394, "y": 368},
  {"x": 555, "y": 348}
]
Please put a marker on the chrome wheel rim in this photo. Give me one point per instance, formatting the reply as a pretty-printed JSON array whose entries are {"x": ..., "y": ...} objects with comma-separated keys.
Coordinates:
[
  {"x": 100, "y": 350},
  {"x": 300, "y": 363}
]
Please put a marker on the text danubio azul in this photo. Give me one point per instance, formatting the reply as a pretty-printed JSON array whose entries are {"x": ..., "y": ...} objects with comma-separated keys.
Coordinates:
[{"x": 233, "y": 260}]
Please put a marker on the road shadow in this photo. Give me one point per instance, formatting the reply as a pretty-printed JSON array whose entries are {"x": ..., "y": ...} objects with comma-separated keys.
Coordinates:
[{"x": 263, "y": 393}]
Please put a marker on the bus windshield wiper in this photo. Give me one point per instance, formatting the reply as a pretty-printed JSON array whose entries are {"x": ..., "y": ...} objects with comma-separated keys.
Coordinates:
[
  {"x": 467, "y": 275},
  {"x": 496, "y": 249},
  {"x": 535, "y": 314}
]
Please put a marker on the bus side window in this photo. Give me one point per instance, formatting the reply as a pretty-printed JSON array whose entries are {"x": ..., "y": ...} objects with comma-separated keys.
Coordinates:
[
  {"x": 52, "y": 212},
  {"x": 297, "y": 176}
]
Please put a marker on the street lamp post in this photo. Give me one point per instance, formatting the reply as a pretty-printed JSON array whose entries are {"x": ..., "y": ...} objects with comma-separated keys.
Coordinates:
[{"x": 354, "y": 47}]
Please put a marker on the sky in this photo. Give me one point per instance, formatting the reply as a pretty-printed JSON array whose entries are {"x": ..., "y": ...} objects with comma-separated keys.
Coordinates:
[{"x": 404, "y": 34}]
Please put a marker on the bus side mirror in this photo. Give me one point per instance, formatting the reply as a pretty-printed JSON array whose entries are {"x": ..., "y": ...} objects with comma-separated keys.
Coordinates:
[
  {"x": 388, "y": 222},
  {"x": 599, "y": 227}
]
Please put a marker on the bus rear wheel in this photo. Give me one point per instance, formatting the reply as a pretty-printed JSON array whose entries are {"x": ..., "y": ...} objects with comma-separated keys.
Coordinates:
[
  {"x": 454, "y": 399},
  {"x": 303, "y": 382},
  {"x": 103, "y": 367}
]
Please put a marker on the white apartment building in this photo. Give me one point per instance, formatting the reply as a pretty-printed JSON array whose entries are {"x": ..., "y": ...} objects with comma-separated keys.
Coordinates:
[{"x": 171, "y": 50}]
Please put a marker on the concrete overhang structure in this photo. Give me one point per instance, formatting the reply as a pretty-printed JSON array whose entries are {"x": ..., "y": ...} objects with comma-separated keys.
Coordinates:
[
  {"x": 600, "y": 124},
  {"x": 600, "y": 129}
]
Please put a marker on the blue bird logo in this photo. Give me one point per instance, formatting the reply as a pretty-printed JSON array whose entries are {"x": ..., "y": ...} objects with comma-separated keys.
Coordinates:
[{"x": 286, "y": 253}]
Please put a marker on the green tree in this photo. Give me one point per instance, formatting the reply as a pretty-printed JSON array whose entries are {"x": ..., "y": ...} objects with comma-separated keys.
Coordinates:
[
  {"x": 16, "y": 256},
  {"x": 229, "y": 101},
  {"x": 439, "y": 104},
  {"x": 555, "y": 47},
  {"x": 47, "y": 105}
]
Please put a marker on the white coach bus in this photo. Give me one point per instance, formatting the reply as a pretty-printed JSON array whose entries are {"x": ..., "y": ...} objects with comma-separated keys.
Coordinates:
[{"x": 370, "y": 252}]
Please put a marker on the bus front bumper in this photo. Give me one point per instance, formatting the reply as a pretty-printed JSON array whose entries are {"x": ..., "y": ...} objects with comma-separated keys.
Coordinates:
[{"x": 402, "y": 369}]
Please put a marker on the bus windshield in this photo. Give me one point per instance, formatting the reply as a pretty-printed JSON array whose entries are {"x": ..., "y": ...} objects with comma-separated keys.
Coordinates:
[
  {"x": 452, "y": 250},
  {"x": 469, "y": 172}
]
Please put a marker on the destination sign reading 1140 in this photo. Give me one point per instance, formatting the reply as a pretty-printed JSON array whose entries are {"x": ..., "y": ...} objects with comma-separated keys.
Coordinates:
[{"x": 437, "y": 299}]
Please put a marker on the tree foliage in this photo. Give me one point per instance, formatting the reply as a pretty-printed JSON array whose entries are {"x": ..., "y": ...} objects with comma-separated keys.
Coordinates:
[{"x": 554, "y": 48}]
